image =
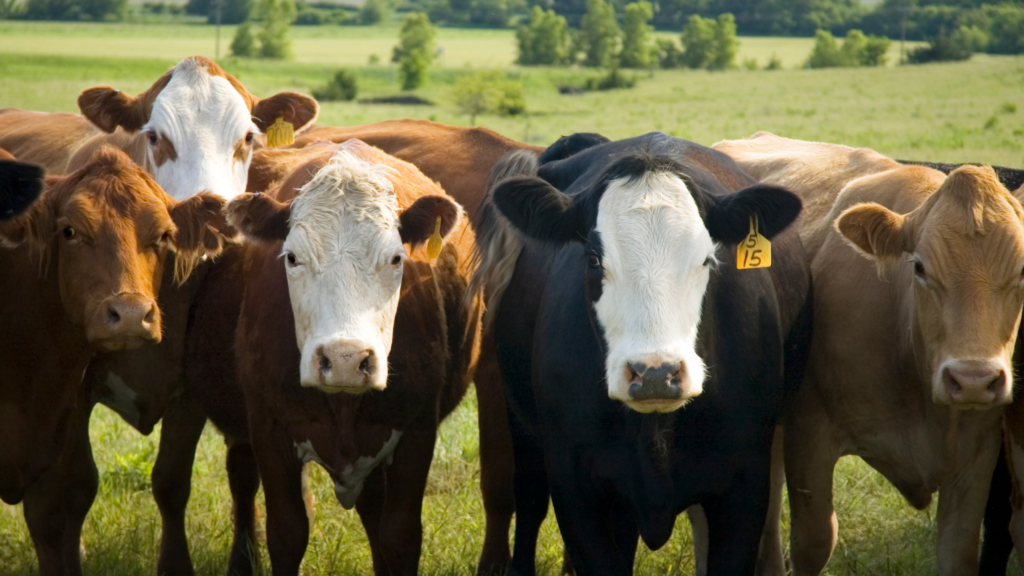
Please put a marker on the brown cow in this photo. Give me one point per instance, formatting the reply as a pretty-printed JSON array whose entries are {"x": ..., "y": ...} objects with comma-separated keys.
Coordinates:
[
  {"x": 918, "y": 291},
  {"x": 193, "y": 129},
  {"x": 81, "y": 272}
]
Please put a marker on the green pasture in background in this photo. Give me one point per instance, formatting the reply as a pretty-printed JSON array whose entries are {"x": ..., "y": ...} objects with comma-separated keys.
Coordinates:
[{"x": 968, "y": 111}]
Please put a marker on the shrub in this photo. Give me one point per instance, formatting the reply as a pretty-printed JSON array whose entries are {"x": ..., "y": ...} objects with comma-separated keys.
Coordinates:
[
  {"x": 415, "y": 50},
  {"x": 698, "y": 39},
  {"x": 243, "y": 45},
  {"x": 725, "y": 46},
  {"x": 636, "y": 42},
  {"x": 1007, "y": 30},
  {"x": 669, "y": 53},
  {"x": 489, "y": 91},
  {"x": 611, "y": 81},
  {"x": 943, "y": 48},
  {"x": 231, "y": 11},
  {"x": 374, "y": 11},
  {"x": 599, "y": 34},
  {"x": 750, "y": 64},
  {"x": 774, "y": 63},
  {"x": 342, "y": 86},
  {"x": 858, "y": 49},
  {"x": 545, "y": 40},
  {"x": 825, "y": 53},
  {"x": 275, "y": 16}
]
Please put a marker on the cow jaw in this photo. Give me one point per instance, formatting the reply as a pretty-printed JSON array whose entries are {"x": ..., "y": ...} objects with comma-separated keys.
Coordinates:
[
  {"x": 655, "y": 255},
  {"x": 344, "y": 259},
  {"x": 197, "y": 134}
]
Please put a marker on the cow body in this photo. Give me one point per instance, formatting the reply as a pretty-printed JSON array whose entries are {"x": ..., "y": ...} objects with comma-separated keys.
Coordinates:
[
  {"x": 81, "y": 270},
  {"x": 613, "y": 473},
  {"x": 915, "y": 276}
]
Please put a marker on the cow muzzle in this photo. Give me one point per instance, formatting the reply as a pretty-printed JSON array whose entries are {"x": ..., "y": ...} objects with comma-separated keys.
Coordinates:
[
  {"x": 977, "y": 384},
  {"x": 658, "y": 386},
  {"x": 124, "y": 322},
  {"x": 349, "y": 366}
]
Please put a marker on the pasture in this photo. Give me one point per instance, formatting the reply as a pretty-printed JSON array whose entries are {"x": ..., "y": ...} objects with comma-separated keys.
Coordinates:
[{"x": 969, "y": 111}]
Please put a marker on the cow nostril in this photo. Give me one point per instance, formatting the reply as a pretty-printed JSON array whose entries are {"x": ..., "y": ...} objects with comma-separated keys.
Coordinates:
[
  {"x": 325, "y": 363},
  {"x": 112, "y": 316},
  {"x": 364, "y": 366},
  {"x": 997, "y": 383},
  {"x": 151, "y": 315}
]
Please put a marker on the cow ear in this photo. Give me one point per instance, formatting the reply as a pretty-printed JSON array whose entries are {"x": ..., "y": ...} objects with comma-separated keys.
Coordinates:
[
  {"x": 299, "y": 109},
  {"x": 567, "y": 146},
  {"x": 20, "y": 185},
  {"x": 202, "y": 231},
  {"x": 728, "y": 219},
  {"x": 108, "y": 108},
  {"x": 874, "y": 231},
  {"x": 37, "y": 224},
  {"x": 417, "y": 222},
  {"x": 260, "y": 217},
  {"x": 538, "y": 210}
]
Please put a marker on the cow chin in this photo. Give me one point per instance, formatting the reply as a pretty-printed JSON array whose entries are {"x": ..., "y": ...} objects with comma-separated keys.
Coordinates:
[{"x": 973, "y": 384}]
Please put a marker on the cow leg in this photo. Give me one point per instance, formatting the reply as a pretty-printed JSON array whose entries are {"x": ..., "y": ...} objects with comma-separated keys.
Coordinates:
[
  {"x": 531, "y": 498},
  {"x": 183, "y": 423},
  {"x": 769, "y": 555},
  {"x": 998, "y": 542},
  {"x": 812, "y": 448},
  {"x": 56, "y": 505},
  {"x": 281, "y": 472},
  {"x": 244, "y": 479},
  {"x": 699, "y": 528},
  {"x": 736, "y": 520},
  {"x": 962, "y": 499},
  {"x": 401, "y": 527},
  {"x": 497, "y": 463},
  {"x": 370, "y": 507},
  {"x": 1013, "y": 442}
]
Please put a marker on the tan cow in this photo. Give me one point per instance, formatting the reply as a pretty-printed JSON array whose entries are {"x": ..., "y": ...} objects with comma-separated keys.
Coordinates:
[
  {"x": 79, "y": 273},
  {"x": 917, "y": 292},
  {"x": 193, "y": 129}
]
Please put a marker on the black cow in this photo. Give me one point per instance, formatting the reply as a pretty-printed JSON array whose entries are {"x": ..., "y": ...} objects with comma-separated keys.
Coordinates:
[
  {"x": 1012, "y": 178},
  {"x": 623, "y": 247}
]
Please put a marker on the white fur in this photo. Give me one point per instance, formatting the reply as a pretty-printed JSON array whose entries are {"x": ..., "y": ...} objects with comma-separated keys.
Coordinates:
[
  {"x": 204, "y": 117},
  {"x": 655, "y": 246},
  {"x": 121, "y": 399},
  {"x": 344, "y": 236},
  {"x": 352, "y": 478}
]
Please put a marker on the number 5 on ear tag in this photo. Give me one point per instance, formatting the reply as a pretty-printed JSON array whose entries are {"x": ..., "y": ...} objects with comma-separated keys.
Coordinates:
[{"x": 755, "y": 251}]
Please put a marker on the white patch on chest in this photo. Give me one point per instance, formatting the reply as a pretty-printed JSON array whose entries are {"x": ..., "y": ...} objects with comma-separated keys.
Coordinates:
[
  {"x": 120, "y": 398},
  {"x": 347, "y": 491},
  {"x": 304, "y": 451}
]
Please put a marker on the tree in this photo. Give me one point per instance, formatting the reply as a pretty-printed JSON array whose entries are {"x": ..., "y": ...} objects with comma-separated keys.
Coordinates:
[
  {"x": 858, "y": 49},
  {"x": 415, "y": 50},
  {"x": 243, "y": 45},
  {"x": 374, "y": 11},
  {"x": 489, "y": 91},
  {"x": 698, "y": 42},
  {"x": 725, "y": 46},
  {"x": 825, "y": 53},
  {"x": 342, "y": 86},
  {"x": 636, "y": 42},
  {"x": 231, "y": 11},
  {"x": 599, "y": 34},
  {"x": 275, "y": 16},
  {"x": 669, "y": 53},
  {"x": 545, "y": 40},
  {"x": 75, "y": 9}
]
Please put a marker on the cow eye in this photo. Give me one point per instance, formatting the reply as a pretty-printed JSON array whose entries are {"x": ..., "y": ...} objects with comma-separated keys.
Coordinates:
[
  {"x": 291, "y": 259},
  {"x": 153, "y": 137},
  {"x": 248, "y": 138},
  {"x": 919, "y": 269},
  {"x": 165, "y": 238},
  {"x": 594, "y": 261},
  {"x": 707, "y": 262},
  {"x": 396, "y": 260},
  {"x": 69, "y": 232}
]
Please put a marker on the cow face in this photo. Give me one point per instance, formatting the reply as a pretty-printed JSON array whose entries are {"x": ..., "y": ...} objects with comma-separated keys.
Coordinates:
[
  {"x": 650, "y": 239},
  {"x": 343, "y": 255},
  {"x": 963, "y": 253},
  {"x": 110, "y": 227},
  {"x": 198, "y": 124}
]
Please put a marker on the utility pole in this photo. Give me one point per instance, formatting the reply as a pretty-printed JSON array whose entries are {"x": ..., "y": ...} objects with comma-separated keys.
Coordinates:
[{"x": 218, "y": 4}]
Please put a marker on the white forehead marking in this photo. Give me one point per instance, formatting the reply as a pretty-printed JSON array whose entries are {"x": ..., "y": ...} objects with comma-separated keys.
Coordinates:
[
  {"x": 196, "y": 98},
  {"x": 347, "y": 187}
]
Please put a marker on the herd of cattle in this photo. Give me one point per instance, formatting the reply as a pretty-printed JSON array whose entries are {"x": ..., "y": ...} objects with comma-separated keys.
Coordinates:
[{"x": 331, "y": 300}]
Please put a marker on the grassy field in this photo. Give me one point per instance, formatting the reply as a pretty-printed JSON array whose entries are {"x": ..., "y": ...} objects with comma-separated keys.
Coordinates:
[{"x": 971, "y": 111}]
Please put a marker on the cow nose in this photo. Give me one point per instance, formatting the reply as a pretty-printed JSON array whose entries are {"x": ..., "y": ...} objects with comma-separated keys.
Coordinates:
[
  {"x": 664, "y": 382},
  {"x": 126, "y": 321},
  {"x": 976, "y": 382},
  {"x": 347, "y": 365}
]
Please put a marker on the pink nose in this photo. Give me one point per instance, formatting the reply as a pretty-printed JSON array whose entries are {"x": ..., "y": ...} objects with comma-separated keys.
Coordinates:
[
  {"x": 976, "y": 382},
  {"x": 347, "y": 364},
  {"x": 125, "y": 321}
]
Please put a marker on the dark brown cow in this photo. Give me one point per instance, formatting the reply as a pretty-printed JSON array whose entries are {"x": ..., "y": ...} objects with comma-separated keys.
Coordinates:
[{"x": 81, "y": 274}]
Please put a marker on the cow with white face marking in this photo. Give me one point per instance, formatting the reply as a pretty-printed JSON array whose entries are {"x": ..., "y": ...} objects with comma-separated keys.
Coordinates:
[
  {"x": 624, "y": 294},
  {"x": 351, "y": 344}
]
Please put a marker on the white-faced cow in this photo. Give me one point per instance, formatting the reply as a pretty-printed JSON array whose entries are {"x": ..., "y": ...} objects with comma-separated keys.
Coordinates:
[
  {"x": 80, "y": 269},
  {"x": 917, "y": 300},
  {"x": 644, "y": 371}
]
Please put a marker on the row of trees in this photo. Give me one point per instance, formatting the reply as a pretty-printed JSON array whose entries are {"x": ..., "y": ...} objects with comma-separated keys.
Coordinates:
[{"x": 547, "y": 39}]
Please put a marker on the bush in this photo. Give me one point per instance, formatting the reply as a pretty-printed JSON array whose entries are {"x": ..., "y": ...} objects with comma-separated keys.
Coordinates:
[
  {"x": 243, "y": 45},
  {"x": 774, "y": 63},
  {"x": 489, "y": 91},
  {"x": 857, "y": 50},
  {"x": 545, "y": 40},
  {"x": 669, "y": 53},
  {"x": 275, "y": 17},
  {"x": 342, "y": 86},
  {"x": 725, "y": 46},
  {"x": 374, "y": 11},
  {"x": 636, "y": 42},
  {"x": 231, "y": 11},
  {"x": 710, "y": 44},
  {"x": 610, "y": 81},
  {"x": 942, "y": 48},
  {"x": 89, "y": 10},
  {"x": 415, "y": 50},
  {"x": 1007, "y": 29},
  {"x": 599, "y": 34}
]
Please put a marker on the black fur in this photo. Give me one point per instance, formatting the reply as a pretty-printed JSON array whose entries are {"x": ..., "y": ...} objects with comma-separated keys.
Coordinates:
[
  {"x": 20, "y": 185},
  {"x": 417, "y": 221},
  {"x": 776, "y": 208},
  {"x": 538, "y": 210},
  {"x": 568, "y": 145},
  {"x": 1012, "y": 178}
]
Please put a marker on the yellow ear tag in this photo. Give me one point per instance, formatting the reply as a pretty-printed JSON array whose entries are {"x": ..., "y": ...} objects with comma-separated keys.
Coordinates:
[
  {"x": 435, "y": 243},
  {"x": 755, "y": 251},
  {"x": 280, "y": 133}
]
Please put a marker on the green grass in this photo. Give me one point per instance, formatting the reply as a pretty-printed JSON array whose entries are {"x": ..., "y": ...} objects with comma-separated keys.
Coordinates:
[{"x": 971, "y": 111}]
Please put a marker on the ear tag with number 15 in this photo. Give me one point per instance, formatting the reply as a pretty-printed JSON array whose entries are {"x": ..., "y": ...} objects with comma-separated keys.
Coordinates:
[{"x": 755, "y": 251}]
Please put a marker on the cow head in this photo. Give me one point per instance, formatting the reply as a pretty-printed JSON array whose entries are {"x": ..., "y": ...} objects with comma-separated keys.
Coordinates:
[
  {"x": 199, "y": 125},
  {"x": 110, "y": 226},
  {"x": 963, "y": 252},
  {"x": 650, "y": 236},
  {"x": 343, "y": 255}
]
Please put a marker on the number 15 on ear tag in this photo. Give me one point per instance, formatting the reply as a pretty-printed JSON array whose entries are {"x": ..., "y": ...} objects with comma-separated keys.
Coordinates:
[{"x": 755, "y": 251}]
